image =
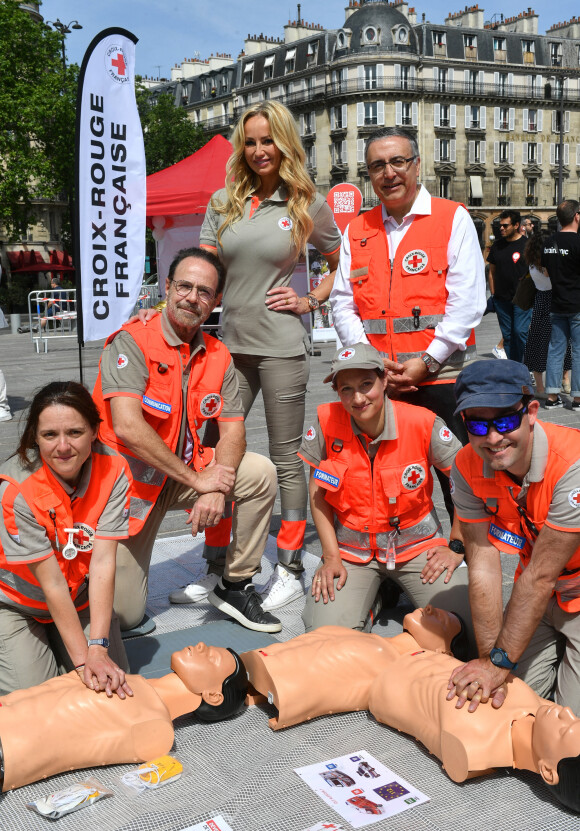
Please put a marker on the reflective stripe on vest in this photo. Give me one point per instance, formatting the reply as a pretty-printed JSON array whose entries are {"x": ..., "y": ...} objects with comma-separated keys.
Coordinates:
[{"x": 359, "y": 542}]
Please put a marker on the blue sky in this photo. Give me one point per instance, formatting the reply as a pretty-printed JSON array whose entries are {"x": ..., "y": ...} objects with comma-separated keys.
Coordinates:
[{"x": 171, "y": 30}]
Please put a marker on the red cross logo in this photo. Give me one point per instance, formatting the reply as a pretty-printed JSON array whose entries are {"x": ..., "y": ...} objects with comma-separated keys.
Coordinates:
[
  {"x": 413, "y": 476},
  {"x": 574, "y": 498},
  {"x": 346, "y": 354},
  {"x": 119, "y": 63},
  {"x": 446, "y": 434},
  {"x": 81, "y": 537},
  {"x": 416, "y": 261},
  {"x": 285, "y": 223},
  {"x": 310, "y": 433},
  {"x": 210, "y": 405}
]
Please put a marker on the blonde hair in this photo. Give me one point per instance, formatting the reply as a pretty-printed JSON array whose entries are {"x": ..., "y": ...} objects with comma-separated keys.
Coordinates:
[{"x": 241, "y": 181}]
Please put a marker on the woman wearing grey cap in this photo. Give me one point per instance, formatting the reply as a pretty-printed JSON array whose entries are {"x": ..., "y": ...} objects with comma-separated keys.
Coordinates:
[{"x": 371, "y": 499}]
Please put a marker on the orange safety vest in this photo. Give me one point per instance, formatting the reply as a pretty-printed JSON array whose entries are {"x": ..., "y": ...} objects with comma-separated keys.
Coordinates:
[
  {"x": 52, "y": 509},
  {"x": 162, "y": 405},
  {"x": 514, "y": 530},
  {"x": 389, "y": 503},
  {"x": 401, "y": 300}
]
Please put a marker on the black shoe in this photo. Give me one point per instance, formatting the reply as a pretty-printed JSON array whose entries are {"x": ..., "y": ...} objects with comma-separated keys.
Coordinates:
[
  {"x": 244, "y": 606},
  {"x": 553, "y": 405},
  {"x": 374, "y": 613}
]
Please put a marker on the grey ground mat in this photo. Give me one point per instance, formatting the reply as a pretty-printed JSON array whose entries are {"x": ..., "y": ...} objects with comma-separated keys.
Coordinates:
[{"x": 151, "y": 656}]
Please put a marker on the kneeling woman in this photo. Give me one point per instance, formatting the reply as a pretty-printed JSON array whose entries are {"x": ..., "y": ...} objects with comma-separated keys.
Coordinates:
[
  {"x": 64, "y": 505},
  {"x": 371, "y": 499}
]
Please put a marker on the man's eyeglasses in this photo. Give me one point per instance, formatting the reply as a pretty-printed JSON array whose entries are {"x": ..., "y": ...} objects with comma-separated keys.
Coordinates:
[
  {"x": 502, "y": 424},
  {"x": 506, "y": 225},
  {"x": 204, "y": 294},
  {"x": 398, "y": 164}
]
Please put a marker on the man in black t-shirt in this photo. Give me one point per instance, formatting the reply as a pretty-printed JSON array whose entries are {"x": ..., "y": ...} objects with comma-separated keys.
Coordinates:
[
  {"x": 561, "y": 259},
  {"x": 507, "y": 266}
]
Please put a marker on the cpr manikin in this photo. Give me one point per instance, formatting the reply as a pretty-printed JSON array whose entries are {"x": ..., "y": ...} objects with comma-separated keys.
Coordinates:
[
  {"x": 62, "y": 725},
  {"x": 403, "y": 681}
]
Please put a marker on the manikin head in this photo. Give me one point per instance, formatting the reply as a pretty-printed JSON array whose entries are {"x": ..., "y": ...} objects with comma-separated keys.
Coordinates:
[
  {"x": 216, "y": 675},
  {"x": 556, "y": 747},
  {"x": 435, "y": 629}
]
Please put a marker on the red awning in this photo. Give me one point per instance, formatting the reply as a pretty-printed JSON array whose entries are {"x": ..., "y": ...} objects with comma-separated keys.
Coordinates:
[{"x": 31, "y": 262}]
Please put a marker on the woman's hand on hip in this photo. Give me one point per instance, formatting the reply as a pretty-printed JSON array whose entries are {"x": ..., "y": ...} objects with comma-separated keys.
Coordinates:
[{"x": 285, "y": 299}]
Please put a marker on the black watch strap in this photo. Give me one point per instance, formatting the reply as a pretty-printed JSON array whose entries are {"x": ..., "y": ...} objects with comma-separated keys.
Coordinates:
[{"x": 457, "y": 546}]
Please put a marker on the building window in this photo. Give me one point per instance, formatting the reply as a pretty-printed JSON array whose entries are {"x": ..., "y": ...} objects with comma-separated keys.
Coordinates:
[
  {"x": 504, "y": 118},
  {"x": 290, "y": 61},
  {"x": 370, "y": 35},
  {"x": 439, "y": 40},
  {"x": 338, "y": 118},
  {"x": 338, "y": 153},
  {"x": 532, "y": 155},
  {"x": 224, "y": 84},
  {"x": 370, "y": 76},
  {"x": 474, "y": 118},
  {"x": 308, "y": 124},
  {"x": 503, "y": 83},
  {"x": 371, "y": 115},
  {"x": 556, "y": 54},
  {"x": 310, "y": 153},
  {"x": 504, "y": 152},
  {"x": 445, "y": 187},
  {"x": 502, "y": 190},
  {"x": 470, "y": 46},
  {"x": 404, "y": 77},
  {"x": 528, "y": 50},
  {"x": 532, "y": 122},
  {"x": 312, "y": 54},
  {"x": 248, "y": 73},
  {"x": 339, "y": 80},
  {"x": 499, "y": 44},
  {"x": 556, "y": 121},
  {"x": 442, "y": 80},
  {"x": 444, "y": 117},
  {"x": 406, "y": 114},
  {"x": 531, "y": 190},
  {"x": 555, "y": 154},
  {"x": 477, "y": 152},
  {"x": 444, "y": 150},
  {"x": 269, "y": 68}
]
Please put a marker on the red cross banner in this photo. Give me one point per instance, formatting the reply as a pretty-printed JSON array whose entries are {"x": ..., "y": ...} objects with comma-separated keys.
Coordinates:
[{"x": 111, "y": 190}]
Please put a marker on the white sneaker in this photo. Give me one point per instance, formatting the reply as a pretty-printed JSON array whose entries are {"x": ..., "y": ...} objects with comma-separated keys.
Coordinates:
[
  {"x": 499, "y": 352},
  {"x": 282, "y": 588},
  {"x": 5, "y": 415},
  {"x": 194, "y": 592}
]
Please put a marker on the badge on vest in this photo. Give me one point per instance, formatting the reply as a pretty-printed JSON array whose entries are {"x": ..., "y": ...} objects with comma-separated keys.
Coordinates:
[
  {"x": 413, "y": 476},
  {"x": 285, "y": 223},
  {"x": 445, "y": 434},
  {"x": 574, "y": 498},
  {"x": 506, "y": 537},
  {"x": 122, "y": 361},
  {"x": 415, "y": 261},
  {"x": 157, "y": 405},
  {"x": 327, "y": 480},
  {"x": 210, "y": 405},
  {"x": 310, "y": 434}
]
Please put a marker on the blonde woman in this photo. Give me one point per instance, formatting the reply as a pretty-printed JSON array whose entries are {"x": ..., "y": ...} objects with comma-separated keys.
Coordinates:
[{"x": 259, "y": 225}]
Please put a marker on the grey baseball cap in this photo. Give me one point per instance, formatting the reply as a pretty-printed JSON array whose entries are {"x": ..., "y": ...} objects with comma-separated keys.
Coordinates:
[{"x": 359, "y": 356}]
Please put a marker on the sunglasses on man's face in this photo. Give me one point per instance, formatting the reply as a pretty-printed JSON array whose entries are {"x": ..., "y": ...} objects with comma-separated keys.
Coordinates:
[{"x": 502, "y": 424}]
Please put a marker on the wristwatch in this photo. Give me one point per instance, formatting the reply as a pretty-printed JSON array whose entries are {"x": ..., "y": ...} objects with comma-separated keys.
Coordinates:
[
  {"x": 313, "y": 302},
  {"x": 432, "y": 365},
  {"x": 457, "y": 546},
  {"x": 499, "y": 658},
  {"x": 99, "y": 642}
]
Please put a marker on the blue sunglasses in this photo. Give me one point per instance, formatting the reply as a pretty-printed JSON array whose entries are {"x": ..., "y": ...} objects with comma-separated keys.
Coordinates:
[{"x": 503, "y": 424}]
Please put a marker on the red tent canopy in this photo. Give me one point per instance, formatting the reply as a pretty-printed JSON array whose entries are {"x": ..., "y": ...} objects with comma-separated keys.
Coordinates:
[{"x": 186, "y": 187}]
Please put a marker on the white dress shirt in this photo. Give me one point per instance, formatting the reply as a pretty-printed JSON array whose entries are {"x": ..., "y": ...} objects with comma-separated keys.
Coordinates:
[{"x": 465, "y": 282}]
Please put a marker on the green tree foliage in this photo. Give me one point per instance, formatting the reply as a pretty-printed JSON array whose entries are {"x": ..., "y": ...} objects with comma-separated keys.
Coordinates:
[
  {"x": 37, "y": 117},
  {"x": 169, "y": 135}
]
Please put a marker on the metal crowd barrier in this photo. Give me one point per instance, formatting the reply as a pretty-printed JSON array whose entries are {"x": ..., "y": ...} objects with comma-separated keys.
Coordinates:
[{"x": 53, "y": 313}]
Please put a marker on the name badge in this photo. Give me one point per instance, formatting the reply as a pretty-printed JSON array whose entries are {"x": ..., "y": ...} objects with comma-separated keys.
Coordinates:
[
  {"x": 157, "y": 405},
  {"x": 506, "y": 536},
  {"x": 327, "y": 479}
]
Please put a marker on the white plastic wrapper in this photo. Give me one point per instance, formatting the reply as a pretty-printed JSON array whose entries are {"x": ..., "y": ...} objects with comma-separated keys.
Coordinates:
[
  {"x": 152, "y": 775},
  {"x": 70, "y": 799}
]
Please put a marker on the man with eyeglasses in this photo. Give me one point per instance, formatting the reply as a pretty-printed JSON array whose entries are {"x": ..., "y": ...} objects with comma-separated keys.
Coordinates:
[
  {"x": 516, "y": 489},
  {"x": 507, "y": 266},
  {"x": 157, "y": 385},
  {"x": 411, "y": 280}
]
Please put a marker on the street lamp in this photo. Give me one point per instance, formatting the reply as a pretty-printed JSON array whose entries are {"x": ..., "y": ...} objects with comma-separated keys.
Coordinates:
[{"x": 64, "y": 29}]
